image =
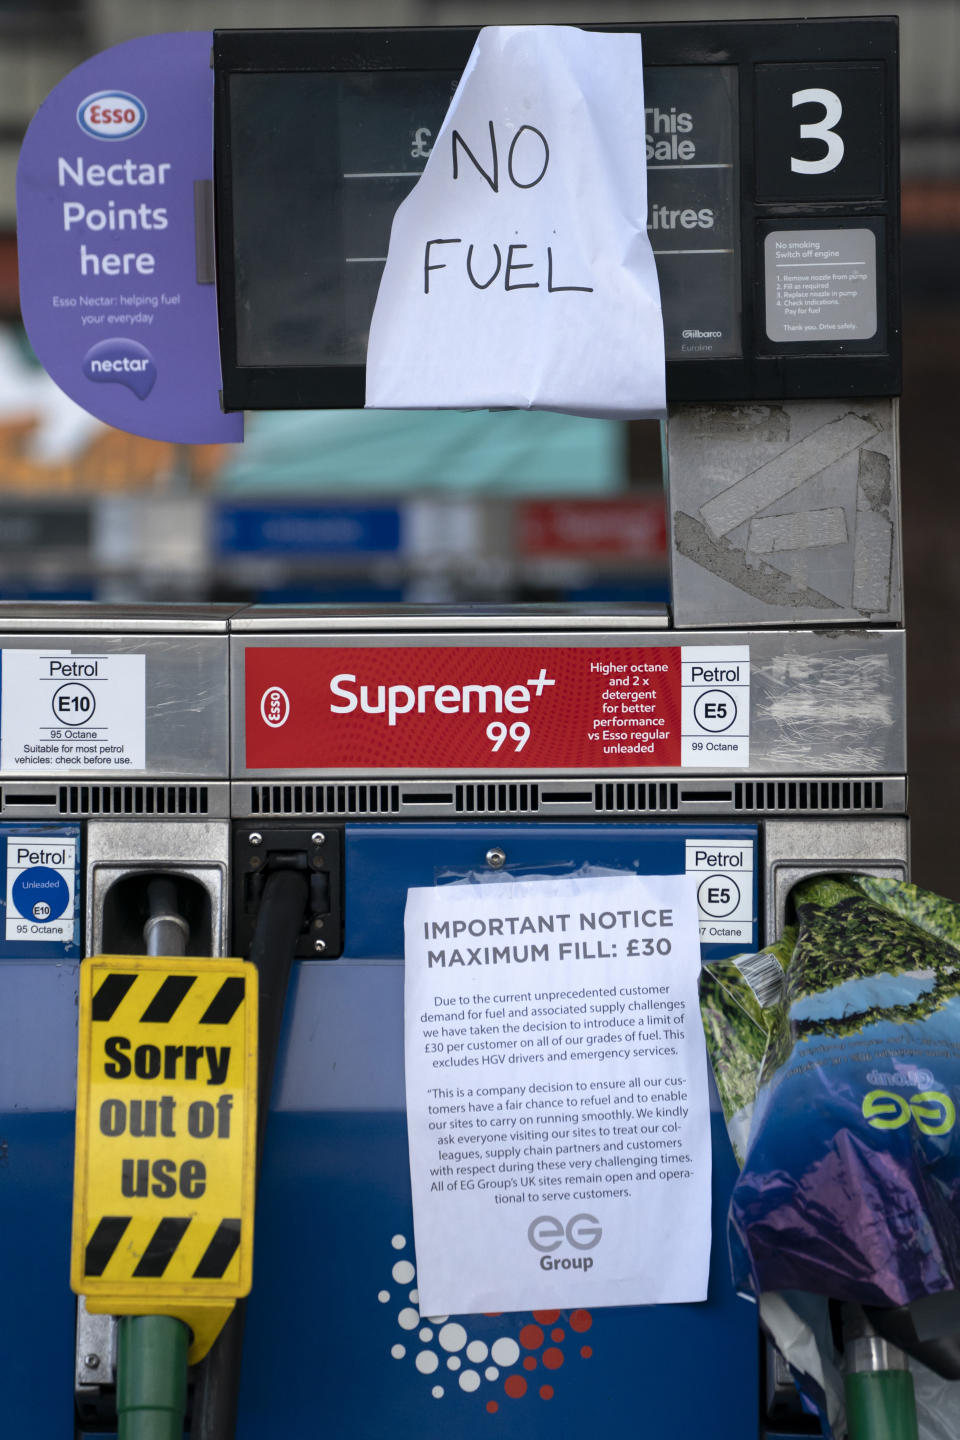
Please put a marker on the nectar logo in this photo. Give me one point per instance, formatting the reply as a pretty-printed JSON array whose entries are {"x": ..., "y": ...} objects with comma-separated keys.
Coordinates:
[
  {"x": 111, "y": 115},
  {"x": 275, "y": 707},
  {"x": 121, "y": 362}
]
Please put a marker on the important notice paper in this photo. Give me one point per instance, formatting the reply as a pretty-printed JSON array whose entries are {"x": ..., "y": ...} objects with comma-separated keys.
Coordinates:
[{"x": 557, "y": 1094}]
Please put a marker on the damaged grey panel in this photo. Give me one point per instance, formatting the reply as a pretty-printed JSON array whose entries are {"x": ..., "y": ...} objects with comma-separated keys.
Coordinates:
[{"x": 784, "y": 513}]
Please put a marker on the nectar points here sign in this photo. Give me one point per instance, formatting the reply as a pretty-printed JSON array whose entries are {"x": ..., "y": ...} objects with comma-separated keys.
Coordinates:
[{"x": 113, "y": 185}]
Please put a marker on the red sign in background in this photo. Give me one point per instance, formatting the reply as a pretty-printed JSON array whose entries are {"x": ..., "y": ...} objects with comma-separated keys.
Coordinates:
[
  {"x": 635, "y": 527},
  {"x": 461, "y": 708}
]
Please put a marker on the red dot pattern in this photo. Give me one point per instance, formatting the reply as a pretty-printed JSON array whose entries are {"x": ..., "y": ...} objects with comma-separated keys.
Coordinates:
[{"x": 531, "y": 1337}]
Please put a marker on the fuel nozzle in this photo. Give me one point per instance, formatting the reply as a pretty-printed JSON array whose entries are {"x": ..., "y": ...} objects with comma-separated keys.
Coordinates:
[
  {"x": 152, "y": 1349},
  {"x": 166, "y": 932},
  {"x": 878, "y": 1385}
]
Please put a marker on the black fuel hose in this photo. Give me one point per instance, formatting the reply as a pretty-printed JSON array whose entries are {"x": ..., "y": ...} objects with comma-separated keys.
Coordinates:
[{"x": 279, "y": 921}]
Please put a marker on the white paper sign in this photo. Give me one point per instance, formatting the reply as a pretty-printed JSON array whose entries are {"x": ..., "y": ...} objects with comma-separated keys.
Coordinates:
[
  {"x": 557, "y": 1100},
  {"x": 519, "y": 272},
  {"x": 72, "y": 712}
]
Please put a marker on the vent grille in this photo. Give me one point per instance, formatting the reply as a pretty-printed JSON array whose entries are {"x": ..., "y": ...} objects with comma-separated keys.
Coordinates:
[
  {"x": 476, "y": 798},
  {"x": 497, "y": 799},
  {"x": 808, "y": 795},
  {"x": 325, "y": 800},
  {"x": 134, "y": 800},
  {"x": 630, "y": 796}
]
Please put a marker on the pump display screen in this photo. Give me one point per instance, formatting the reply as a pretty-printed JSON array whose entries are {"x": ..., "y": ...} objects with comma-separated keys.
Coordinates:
[
  {"x": 772, "y": 198},
  {"x": 306, "y": 289}
]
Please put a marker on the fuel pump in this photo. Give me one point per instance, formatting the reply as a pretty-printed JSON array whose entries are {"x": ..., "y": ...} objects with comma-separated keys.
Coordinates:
[
  {"x": 290, "y": 774},
  {"x": 751, "y": 734}
]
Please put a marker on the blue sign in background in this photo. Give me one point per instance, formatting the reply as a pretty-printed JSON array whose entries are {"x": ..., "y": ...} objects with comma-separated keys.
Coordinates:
[{"x": 307, "y": 529}]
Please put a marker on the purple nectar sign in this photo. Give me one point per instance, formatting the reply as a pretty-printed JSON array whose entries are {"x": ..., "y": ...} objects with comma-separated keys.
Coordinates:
[{"x": 115, "y": 286}]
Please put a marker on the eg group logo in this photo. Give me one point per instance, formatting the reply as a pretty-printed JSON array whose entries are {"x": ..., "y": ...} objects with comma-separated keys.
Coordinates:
[
  {"x": 933, "y": 1111},
  {"x": 111, "y": 115}
]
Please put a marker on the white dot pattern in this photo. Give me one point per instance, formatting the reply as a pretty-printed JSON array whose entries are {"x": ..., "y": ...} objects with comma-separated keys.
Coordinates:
[
  {"x": 505, "y": 1352},
  {"x": 449, "y": 1335}
]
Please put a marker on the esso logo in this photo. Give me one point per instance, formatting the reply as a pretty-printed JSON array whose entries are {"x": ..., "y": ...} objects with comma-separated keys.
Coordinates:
[
  {"x": 111, "y": 115},
  {"x": 275, "y": 707}
]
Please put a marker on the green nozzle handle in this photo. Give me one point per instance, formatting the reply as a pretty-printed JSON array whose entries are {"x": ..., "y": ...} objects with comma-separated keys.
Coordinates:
[
  {"x": 151, "y": 1377},
  {"x": 881, "y": 1405}
]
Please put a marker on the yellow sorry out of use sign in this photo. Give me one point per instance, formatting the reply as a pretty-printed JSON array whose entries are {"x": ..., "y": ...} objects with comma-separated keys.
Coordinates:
[{"x": 166, "y": 1136}]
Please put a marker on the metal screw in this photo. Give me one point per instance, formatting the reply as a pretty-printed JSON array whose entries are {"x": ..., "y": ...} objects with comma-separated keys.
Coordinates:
[
  {"x": 318, "y": 922},
  {"x": 318, "y": 837},
  {"x": 255, "y": 837},
  {"x": 319, "y": 946},
  {"x": 254, "y": 861},
  {"x": 496, "y": 858},
  {"x": 91, "y": 1362}
]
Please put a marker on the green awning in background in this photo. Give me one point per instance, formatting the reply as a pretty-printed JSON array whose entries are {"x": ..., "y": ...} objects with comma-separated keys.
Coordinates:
[{"x": 383, "y": 451}]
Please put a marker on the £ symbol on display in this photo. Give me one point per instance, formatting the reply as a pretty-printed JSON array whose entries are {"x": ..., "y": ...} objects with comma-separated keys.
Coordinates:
[{"x": 420, "y": 149}]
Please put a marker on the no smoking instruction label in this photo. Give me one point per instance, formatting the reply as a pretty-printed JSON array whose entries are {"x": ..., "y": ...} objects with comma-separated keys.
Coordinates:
[{"x": 76, "y": 712}]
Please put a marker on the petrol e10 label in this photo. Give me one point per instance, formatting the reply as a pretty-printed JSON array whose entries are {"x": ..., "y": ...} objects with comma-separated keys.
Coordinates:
[{"x": 75, "y": 712}]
